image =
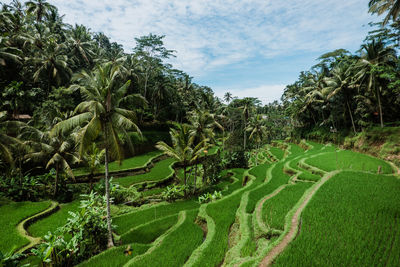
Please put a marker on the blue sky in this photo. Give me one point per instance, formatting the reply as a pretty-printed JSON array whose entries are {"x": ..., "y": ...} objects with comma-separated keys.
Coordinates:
[{"x": 248, "y": 47}]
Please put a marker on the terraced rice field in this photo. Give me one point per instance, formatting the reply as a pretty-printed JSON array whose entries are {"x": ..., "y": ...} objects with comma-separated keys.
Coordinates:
[{"x": 315, "y": 207}]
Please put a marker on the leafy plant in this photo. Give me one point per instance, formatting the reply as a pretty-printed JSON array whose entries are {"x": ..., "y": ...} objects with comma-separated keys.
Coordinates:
[
  {"x": 173, "y": 192},
  {"x": 208, "y": 197},
  {"x": 84, "y": 235}
]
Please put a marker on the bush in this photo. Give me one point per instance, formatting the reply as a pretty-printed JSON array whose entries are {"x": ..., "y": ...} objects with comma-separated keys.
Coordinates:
[
  {"x": 172, "y": 193},
  {"x": 208, "y": 197},
  {"x": 236, "y": 159},
  {"x": 118, "y": 194},
  {"x": 84, "y": 235}
]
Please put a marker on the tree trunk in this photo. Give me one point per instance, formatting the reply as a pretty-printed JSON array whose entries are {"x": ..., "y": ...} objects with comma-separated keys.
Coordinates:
[
  {"x": 380, "y": 106},
  {"x": 351, "y": 117},
  {"x": 56, "y": 181},
  {"x": 195, "y": 179},
  {"x": 244, "y": 136},
  {"x": 184, "y": 177},
  {"x": 110, "y": 242}
]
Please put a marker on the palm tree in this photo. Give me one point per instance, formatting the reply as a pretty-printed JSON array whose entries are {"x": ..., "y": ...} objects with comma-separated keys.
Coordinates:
[
  {"x": 6, "y": 141},
  {"x": 382, "y": 6},
  {"x": 9, "y": 54},
  {"x": 183, "y": 149},
  {"x": 93, "y": 159},
  {"x": 247, "y": 106},
  {"x": 228, "y": 97},
  {"x": 53, "y": 63},
  {"x": 81, "y": 44},
  {"x": 375, "y": 55},
  {"x": 39, "y": 8},
  {"x": 102, "y": 116},
  {"x": 57, "y": 150},
  {"x": 257, "y": 131},
  {"x": 340, "y": 82}
]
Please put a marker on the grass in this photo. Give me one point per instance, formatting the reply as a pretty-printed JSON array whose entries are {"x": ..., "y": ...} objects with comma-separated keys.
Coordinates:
[
  {"x": 153, "y": 191},
  {"x": 349, "y": 160},
  {"x": 11, "y": 214},
  {"x": 55, "y": 220},
  {"x": 295, "y": 150},
  {"x": 127, "y": 164},
  {"x": 176, "y": 247},
  {"x": 353, "y": 225},
  {"x": 161, "y": 170},
  {"x": 115, "y": 256},
  {"x": 133, "y": 219},
  {"x": 148, "y": 232},
  {"x": 277, "y": 152},
  {"x": 275, "y": 209}
]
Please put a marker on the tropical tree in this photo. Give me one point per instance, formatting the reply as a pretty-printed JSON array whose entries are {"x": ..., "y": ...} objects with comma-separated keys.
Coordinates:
[
  {"x": 39, "y": 8},
  {"x": 183, "y": 148},
  {"x": 375, "y": 56},
  {"x": 101, "y": 116},
  {"x": 6, "y": 141},
  {"x": 93, "y": 158},
  {"x": 228, "y": 97},
  {"x": 57, "y": 150},
  {"x": 392, "y": 7},
  {"x": 257, "y": 130},
  {"x": 247, "y": 105},
  {"x": 340, "y": 82}
]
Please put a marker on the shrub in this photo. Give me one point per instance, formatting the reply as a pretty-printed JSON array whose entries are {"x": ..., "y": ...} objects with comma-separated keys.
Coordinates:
[
  {"x": 236, "y": 159},
  {"x": 172, "y": 193},
  {"x": 119, "y": 194},
  {"x": 208, "y": 197},
  {"x": 84, "y": 235}
]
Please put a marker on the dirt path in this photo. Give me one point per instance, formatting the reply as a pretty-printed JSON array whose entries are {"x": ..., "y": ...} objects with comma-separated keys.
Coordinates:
[{"x": 294, "y": 223}]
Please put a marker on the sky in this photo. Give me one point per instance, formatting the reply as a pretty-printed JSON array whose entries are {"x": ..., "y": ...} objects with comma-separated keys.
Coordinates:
[{"x": 247, "y": 47}]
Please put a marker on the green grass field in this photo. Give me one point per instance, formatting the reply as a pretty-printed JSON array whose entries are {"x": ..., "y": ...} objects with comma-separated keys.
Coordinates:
[
  {"x": 160, "y": 171},
  {"x": 353, "y": 225},
  {"x": 127, "y": 164},
  {"x": 11, "y": 215}
]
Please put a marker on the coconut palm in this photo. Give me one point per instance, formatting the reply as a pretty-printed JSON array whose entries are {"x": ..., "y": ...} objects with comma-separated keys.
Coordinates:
[
  {"x": 374, "y": 56},
  {"x": 258, "y": 131},
  {"x": 392, "y": 7},
  {"x": 81, "y": 44},
  {"x": 228, "y": 97},
  {"x": 6, "y": 141},
  {"x": 53, "y": 64},
  {"x": 39, "y": 8},
  {"x": 340, "y": 82},
  {"x": 57, "y": 150},
  {"x": 247, "y": 105},
  {"x": 183, "y": 148},
  {"x": 93, "y": 159},
  {"x": 101, "y": 116}
]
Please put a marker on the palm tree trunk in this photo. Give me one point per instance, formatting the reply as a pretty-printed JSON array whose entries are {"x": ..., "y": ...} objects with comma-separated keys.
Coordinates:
[
  {"x": 380, "y": 106},
  {"x": 110, "y": 242},
  {"x": 56, "y": 181},
  {"x": 244, "y": 136},
  {"x": 351, "y": 117},
  {"x": 195, "y": 179},
  {"x": 184, "y": 177}
]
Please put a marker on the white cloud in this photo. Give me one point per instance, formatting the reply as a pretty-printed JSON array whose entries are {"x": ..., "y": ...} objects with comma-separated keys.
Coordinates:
[
  {"x": 266, "y": 93},
  {"x": 208, "y": 34}
]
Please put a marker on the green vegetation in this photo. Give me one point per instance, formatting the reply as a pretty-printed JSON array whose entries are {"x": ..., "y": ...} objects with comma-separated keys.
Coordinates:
[
  {"x": 275, "y": 209},
  {"x": 147, "y": 233},
  {"x": 277, "y": 152},
  {"x": 348, "y": 160},
  {"x": 161, "y": 170},
  {"x": 12, "y": 214},
  {"x": 55, "y": 220},
  {"x": 127, "y": 164},
  {"x": 335, "y": 232},
  {"x": 133, "y": 219},
  {"x": 170, "y": 251},
  {"x": 116, "y": 256}
]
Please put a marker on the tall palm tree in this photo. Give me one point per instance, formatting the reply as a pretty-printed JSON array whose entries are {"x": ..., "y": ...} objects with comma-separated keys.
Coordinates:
[
  {"x": 374, "y": 56},
  {"x": 57, "y": 150},
  {"x": 93, "y": 159},
  {"x": 101, "y": 115},
  {"x": 39, "y": 8},
  {"x": 81, "y": 44},
  {"x": 6, "y": 141},
  {"x": 53, "y": 64},
  {"x": 382, "y": 6},
  {"x": 340, "y": 82},
  {"x": 9, "y": 54},
  {"x": 183, "y": 148},
  {"x": 247, "y": 106},
  {"x": 257, "y": 130},
  {"x": 228, "y": 97}
]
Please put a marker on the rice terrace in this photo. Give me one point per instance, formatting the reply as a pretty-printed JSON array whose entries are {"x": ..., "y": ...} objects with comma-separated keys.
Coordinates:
[{"x": 112, "y": 156}]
